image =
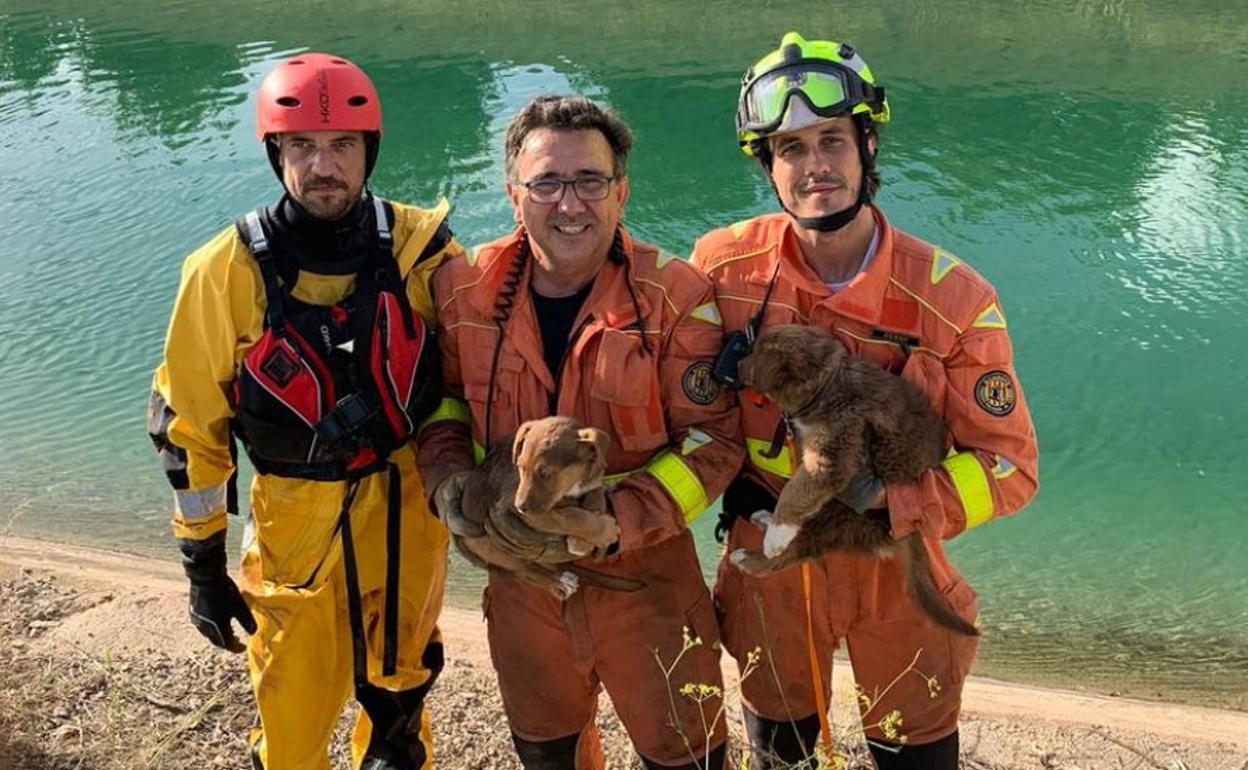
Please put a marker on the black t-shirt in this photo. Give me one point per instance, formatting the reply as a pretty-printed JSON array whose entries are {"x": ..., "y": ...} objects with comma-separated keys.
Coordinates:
[{"x": 555, "y": 316}]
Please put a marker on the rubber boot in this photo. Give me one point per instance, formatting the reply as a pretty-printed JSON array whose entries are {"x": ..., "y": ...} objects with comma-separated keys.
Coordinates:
[
  {"x": 556, "y": 754},
  {"x": 776, "y": 744},
  {"x": 939, "y": 755},
  {"x": 395, "y": 743},
  {"x": 712, "y": 761}
]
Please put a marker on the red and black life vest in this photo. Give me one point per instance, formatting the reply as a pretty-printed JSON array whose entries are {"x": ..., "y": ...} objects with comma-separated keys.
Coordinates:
[{"x": 330, "y": 391}]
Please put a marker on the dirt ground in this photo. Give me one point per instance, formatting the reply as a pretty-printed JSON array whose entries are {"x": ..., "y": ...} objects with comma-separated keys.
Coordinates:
[{"x": 100, "y": 670}]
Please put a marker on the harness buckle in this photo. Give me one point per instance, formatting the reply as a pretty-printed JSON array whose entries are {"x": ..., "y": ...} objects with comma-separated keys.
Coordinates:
[{"x": 350, "y": 414}]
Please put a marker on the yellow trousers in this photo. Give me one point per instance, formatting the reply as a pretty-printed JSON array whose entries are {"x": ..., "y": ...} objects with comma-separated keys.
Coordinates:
[{"x": 294, "y": 579}]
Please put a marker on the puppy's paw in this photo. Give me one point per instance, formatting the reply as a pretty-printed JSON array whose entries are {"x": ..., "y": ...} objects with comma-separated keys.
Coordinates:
[
  {"x": 608, "y": 533},
  {"x": 778, "y": 538},
  {"x": 761, "y": 519},
  {"x": 569, "y": 582},
  {"x": 750, "y": 562}
]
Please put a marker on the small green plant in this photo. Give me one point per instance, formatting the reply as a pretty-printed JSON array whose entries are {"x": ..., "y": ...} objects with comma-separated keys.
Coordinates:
[
  {"x": 709, "y": 698},
  {"x": 849, "y": 742}
]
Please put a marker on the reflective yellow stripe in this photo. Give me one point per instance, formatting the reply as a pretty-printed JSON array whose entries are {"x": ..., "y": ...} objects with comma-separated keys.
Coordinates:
[
  {"x": 781, "y": 465},
  {"x": 991, "y": 318},
  {"x": 943, "y": 263},
  {"x": 478, "y": 453},
  {"x": 971, "y": 481},
  {"x": 449, "y": 409},
  {"x": 680, "y": 482},
  {"x": 709, "y": 313}
]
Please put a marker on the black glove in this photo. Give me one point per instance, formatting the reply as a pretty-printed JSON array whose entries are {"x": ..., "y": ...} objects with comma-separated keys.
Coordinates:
[
  {"x": 862, "y": 491},
  {"x": 214, "y": 599}
]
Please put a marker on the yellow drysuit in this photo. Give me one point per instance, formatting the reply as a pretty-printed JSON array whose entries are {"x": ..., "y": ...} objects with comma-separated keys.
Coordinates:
[{"x": 292, "y": 573}]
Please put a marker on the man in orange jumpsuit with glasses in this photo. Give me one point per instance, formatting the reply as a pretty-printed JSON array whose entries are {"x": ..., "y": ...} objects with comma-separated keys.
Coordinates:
[
  {"x": 809, "y": 114},
  {"x": 570, "y": 315}
]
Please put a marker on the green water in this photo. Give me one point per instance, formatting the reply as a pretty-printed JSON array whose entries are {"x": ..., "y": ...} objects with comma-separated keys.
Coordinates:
[{"x": 1090, "y": 158}]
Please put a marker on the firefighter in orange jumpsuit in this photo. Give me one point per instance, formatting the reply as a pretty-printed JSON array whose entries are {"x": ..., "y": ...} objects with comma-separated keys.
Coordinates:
[
  {"x": 570, "y": 315},
  {"x": 808, "y": 114}
]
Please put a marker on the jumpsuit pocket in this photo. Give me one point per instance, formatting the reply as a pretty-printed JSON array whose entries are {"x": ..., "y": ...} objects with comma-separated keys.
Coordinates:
[
  {"x": 701, "y": 619},
  {"x": 928, "y": 373},
  {"x": 701, "y": 664},
  {"x": 477, "y": 394},
  {"x": 963, "y": 599},
  {"x": 728, "y": 602},
  {"x": 626, "y": 378},
  {"x": 296, "y": 525},
  {"x": 962, "y": 649}
]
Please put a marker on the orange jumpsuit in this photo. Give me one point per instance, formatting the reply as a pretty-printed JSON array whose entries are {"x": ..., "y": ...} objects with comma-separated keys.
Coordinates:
[
  {"x": 922, "y": 313},
  {"x": 675, "y": 446}
]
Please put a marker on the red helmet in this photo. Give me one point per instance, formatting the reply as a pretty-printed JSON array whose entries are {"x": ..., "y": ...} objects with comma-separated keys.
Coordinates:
[{"x": 316, "y": 92}]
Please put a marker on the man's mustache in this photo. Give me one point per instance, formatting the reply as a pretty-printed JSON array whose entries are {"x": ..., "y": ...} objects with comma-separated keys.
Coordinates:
[
  {"x": 827, "y": 179},
  {"x": 325, "y": 181}
]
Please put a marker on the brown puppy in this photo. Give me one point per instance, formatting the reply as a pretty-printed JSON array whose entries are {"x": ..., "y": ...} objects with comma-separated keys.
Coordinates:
[
  {"x": 849, "y": 415},
  {"x": 543, "y": 506}
]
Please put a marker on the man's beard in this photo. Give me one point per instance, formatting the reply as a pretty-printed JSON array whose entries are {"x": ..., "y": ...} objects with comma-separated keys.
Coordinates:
[{"x": 329, "y": 209}]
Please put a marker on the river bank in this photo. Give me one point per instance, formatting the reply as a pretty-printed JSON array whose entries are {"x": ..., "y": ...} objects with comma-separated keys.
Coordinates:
[{"x": 103, "y": 671}]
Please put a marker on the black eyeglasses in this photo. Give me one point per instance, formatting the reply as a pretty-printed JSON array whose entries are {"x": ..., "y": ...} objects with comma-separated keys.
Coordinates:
[{"x": 551, "y": 189}]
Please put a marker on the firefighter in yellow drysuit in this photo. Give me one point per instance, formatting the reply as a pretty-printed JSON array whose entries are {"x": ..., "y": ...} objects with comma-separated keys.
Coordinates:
[{"x": 301, "y": 330}]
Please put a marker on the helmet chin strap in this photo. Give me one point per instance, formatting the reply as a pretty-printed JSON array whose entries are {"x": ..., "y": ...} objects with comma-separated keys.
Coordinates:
[{"x": 829, "y": 223}]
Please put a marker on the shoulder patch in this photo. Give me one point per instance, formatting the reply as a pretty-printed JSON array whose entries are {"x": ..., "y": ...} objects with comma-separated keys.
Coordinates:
[
  {"x": 943, "y": 263},
  {"x": 995, "y": 393},
  {"x": 991, "y": 318},
  {"x": 708, "y": 313},
  {"x": 699, "y": 383}
]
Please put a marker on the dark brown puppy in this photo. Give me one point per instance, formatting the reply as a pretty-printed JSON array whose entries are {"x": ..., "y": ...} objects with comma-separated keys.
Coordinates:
[
  {"x": 542, "y": 505},
  {"x": 849, "y": 415}
]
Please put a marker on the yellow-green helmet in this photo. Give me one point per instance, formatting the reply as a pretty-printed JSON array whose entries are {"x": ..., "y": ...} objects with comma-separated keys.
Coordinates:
[{"x": 824, "y": 78}]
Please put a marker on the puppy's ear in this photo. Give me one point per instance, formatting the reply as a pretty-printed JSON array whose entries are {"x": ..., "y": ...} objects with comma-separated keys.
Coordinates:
[
  {"x": 517, "y": 446},
  {"x": 594, "y": 444}
]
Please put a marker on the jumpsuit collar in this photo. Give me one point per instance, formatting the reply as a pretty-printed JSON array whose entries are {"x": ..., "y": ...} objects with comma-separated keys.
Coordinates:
[
  {"x": 320, "y": 246},
  {"x": 862, "y": 299},
  {"x": 609, "y": 300},
  {"x": 607, "y": 306}
]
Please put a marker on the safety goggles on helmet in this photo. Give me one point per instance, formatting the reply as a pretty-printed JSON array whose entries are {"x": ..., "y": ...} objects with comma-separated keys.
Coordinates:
[
  {"x": 829, "y": 89},
  {"x": 826, "y": 78}
]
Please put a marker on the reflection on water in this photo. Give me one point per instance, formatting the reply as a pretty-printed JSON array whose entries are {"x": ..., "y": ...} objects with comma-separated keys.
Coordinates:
[{"x": 1091, "y": 158}]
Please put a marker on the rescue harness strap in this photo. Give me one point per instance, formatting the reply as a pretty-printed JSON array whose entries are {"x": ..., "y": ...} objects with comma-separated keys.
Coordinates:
[
  {"x": 355, "y": 610},
  {"x": 394, "y": 532}
]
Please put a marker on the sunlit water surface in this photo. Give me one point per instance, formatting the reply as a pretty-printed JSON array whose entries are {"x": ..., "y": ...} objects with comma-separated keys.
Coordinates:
[{"x": 1088, "y": 157}]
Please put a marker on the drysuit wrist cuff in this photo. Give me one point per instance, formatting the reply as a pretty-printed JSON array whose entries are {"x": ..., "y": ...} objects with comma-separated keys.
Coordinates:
[{"x": 204, "y": 561}]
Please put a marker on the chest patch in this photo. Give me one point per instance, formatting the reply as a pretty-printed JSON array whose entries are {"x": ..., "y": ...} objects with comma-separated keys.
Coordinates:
[
  {"x": 699, "y": 384},
  {"x": 995, "y": 393}
]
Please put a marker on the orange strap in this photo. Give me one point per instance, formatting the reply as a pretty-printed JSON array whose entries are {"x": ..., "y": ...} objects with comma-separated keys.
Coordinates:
[{"x": 821, "y": 700}]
